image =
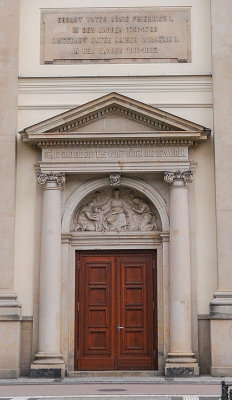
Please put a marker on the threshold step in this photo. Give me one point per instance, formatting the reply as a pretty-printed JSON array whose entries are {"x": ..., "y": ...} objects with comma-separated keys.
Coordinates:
[{"x": 115, "y": 374}]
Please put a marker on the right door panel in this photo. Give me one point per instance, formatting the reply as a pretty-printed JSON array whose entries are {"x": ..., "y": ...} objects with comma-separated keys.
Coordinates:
[{"x": 135, "y": 332}]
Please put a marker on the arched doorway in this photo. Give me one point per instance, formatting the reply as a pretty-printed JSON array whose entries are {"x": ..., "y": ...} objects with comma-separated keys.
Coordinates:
[{"x": 116, "y": 301}]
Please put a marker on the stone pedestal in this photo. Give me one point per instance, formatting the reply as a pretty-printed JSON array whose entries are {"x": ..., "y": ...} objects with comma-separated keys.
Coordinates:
[
  {"x": 181, "y": 360},
  {"x": 49, "y": 362},
  {"x": 221, "y": 333},
  {"x": 10, "y": 320}
]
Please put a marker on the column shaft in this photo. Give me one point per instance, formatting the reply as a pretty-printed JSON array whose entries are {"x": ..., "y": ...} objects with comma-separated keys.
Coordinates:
[
  {"x": 50, "y": 271},
  {"x": 180, "y": 285},
  {"x": 181, "y": 359}
]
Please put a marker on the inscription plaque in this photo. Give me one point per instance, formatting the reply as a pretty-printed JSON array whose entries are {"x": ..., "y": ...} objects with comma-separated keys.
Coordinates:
[
  {"x": 115, "y": 35},
  {"x": 115, "y": 154}
]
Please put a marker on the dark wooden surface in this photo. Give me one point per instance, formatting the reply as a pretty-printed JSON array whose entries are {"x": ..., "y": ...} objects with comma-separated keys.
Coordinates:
[{"x": 115, "y": 289}]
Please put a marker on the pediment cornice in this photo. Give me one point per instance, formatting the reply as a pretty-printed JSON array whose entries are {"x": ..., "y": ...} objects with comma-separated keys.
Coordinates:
[{"x": 156, "y": 126}]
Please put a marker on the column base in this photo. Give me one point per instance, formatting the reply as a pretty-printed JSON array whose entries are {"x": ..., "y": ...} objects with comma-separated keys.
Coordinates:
[
  {"x": 181, "y": 369},
  {"x": 181, "y": 364},
  {"x": 47, "y": 371},
  {"x": 48, "y": 365}
]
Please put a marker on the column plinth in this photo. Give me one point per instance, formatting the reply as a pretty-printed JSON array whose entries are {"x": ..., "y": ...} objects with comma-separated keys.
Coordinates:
[
  {"x": 181, "y": 360},
  {"x": 49, "y": 362}
]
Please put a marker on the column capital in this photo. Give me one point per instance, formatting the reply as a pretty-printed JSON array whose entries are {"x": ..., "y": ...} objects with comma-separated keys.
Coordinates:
[
  {"x": 185, "y": 176},
  {"x": 51, "y": 177}
]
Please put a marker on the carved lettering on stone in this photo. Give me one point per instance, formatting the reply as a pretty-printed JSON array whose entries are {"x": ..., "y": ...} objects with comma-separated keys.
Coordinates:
[
  {"x": 116, "y": 210},
  {"x": 113, "y": 35}
]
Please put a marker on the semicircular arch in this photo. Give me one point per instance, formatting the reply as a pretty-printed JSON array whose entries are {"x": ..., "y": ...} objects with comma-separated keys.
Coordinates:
[{"x": 80, "y": 193}]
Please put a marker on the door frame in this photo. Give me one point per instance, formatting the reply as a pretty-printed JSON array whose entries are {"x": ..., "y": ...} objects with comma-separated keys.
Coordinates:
[{"x": 111, "y": 252}]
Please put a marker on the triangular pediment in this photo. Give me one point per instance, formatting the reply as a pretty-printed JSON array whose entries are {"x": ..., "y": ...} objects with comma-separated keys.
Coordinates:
[
  {"x": 113, "y": 122},
  {"x": 113, "y": 114}
]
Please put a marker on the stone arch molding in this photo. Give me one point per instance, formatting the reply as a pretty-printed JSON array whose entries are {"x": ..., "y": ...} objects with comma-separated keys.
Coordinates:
[{"x": 85, "y": 189}]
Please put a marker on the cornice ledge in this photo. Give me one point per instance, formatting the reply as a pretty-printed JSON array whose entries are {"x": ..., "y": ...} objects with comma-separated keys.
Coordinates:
[
  {"x": 130, "y": 138},
  {"x": 69, "y": 122}
]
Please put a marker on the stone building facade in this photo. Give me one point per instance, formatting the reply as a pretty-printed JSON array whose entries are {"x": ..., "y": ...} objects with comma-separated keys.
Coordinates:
[{"x": 115, "y": 211}]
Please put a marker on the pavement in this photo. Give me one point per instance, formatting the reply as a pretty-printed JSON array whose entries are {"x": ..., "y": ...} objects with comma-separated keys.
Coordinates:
[{"x": 113, "y": 388}]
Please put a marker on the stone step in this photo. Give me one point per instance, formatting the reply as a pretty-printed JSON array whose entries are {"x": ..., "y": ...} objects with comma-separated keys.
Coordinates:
[
  {"x": 93, "y": 374},
  {"x": 117, "y": 397}
]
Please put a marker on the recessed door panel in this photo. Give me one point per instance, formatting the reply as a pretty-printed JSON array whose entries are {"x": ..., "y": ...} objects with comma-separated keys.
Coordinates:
[
  {"x": 96, "y": 314},
  {"x": 135, "y": 350}
]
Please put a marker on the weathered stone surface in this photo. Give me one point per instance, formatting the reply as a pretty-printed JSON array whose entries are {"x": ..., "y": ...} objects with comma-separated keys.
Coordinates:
[
  {"x": 115, "y": 35},
  {"x": 26, "y": 347},
  {"x": 181, "y": 371},
  {"x": 55, "y": 373},
  {"x": 9, "y": 352}
]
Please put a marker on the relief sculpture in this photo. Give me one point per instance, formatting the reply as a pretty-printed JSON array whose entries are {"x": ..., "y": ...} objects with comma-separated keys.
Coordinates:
[{"x": 116, "y": 210}]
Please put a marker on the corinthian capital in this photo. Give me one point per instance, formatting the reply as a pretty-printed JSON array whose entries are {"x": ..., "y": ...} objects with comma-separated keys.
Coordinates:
[
  {"x": 186, "y": 176},
  {"x": 51, "y": 177}
]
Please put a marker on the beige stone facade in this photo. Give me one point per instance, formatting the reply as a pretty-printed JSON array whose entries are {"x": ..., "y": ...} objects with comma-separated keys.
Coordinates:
[{"x": 155, "y": 128}]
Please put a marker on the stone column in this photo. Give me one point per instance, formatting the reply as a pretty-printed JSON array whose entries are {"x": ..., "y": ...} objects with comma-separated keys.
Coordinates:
[
  {"x": 49, "y": 361},
  {"x": 181, "y": 359}
]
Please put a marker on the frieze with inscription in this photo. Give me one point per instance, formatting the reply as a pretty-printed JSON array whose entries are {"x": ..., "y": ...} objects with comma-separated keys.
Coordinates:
[
  {"x": 115, "y": 154},
  {"x": 116, "y": 210},
  {"x": 157, "y": 34}
]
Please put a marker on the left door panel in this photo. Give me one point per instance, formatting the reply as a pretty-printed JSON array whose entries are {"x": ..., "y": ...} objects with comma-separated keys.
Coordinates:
[{"x": 96, "y": 314}]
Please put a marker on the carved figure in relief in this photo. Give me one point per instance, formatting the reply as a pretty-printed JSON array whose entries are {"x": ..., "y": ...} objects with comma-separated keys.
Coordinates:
[
  {"x": 115, "y": 218},
  {"x": 116, "y": 211},
  {"x": 100, "y": 207},
  {"x": 86, "y": 218},
  {"x": 143, "y": 215}
]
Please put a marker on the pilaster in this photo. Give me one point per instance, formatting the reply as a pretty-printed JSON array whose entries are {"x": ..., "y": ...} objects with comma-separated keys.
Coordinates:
[
  {"x": 221, "y": 305},
  {"x": 10, "y": 309}
]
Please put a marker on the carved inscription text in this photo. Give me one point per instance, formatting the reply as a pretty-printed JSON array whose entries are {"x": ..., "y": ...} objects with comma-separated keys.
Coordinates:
[
  {"x": 115, "y": 35},
  {"x": 115, "y": 154}
]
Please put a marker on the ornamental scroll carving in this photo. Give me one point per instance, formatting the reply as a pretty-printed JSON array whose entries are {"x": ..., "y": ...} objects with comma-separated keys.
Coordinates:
[
  {"x": 187, "y": 176},
  {"x": 59, "y": 178},
  {"x": 116, "y": 210}
]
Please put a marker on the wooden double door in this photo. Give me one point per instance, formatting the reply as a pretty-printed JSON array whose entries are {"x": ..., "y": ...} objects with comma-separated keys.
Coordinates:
[{"x": 115, "y": 311}]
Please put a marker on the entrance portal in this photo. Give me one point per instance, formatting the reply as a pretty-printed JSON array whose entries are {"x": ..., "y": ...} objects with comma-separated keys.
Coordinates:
[{"x": 116, "y": 311}]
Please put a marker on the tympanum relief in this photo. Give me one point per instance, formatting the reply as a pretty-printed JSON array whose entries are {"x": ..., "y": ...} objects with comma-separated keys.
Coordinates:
[{"x": 116, "y": 210}]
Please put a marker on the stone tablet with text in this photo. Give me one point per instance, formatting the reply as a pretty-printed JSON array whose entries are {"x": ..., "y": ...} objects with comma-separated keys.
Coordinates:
[{"x": 115, "y": 35}]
